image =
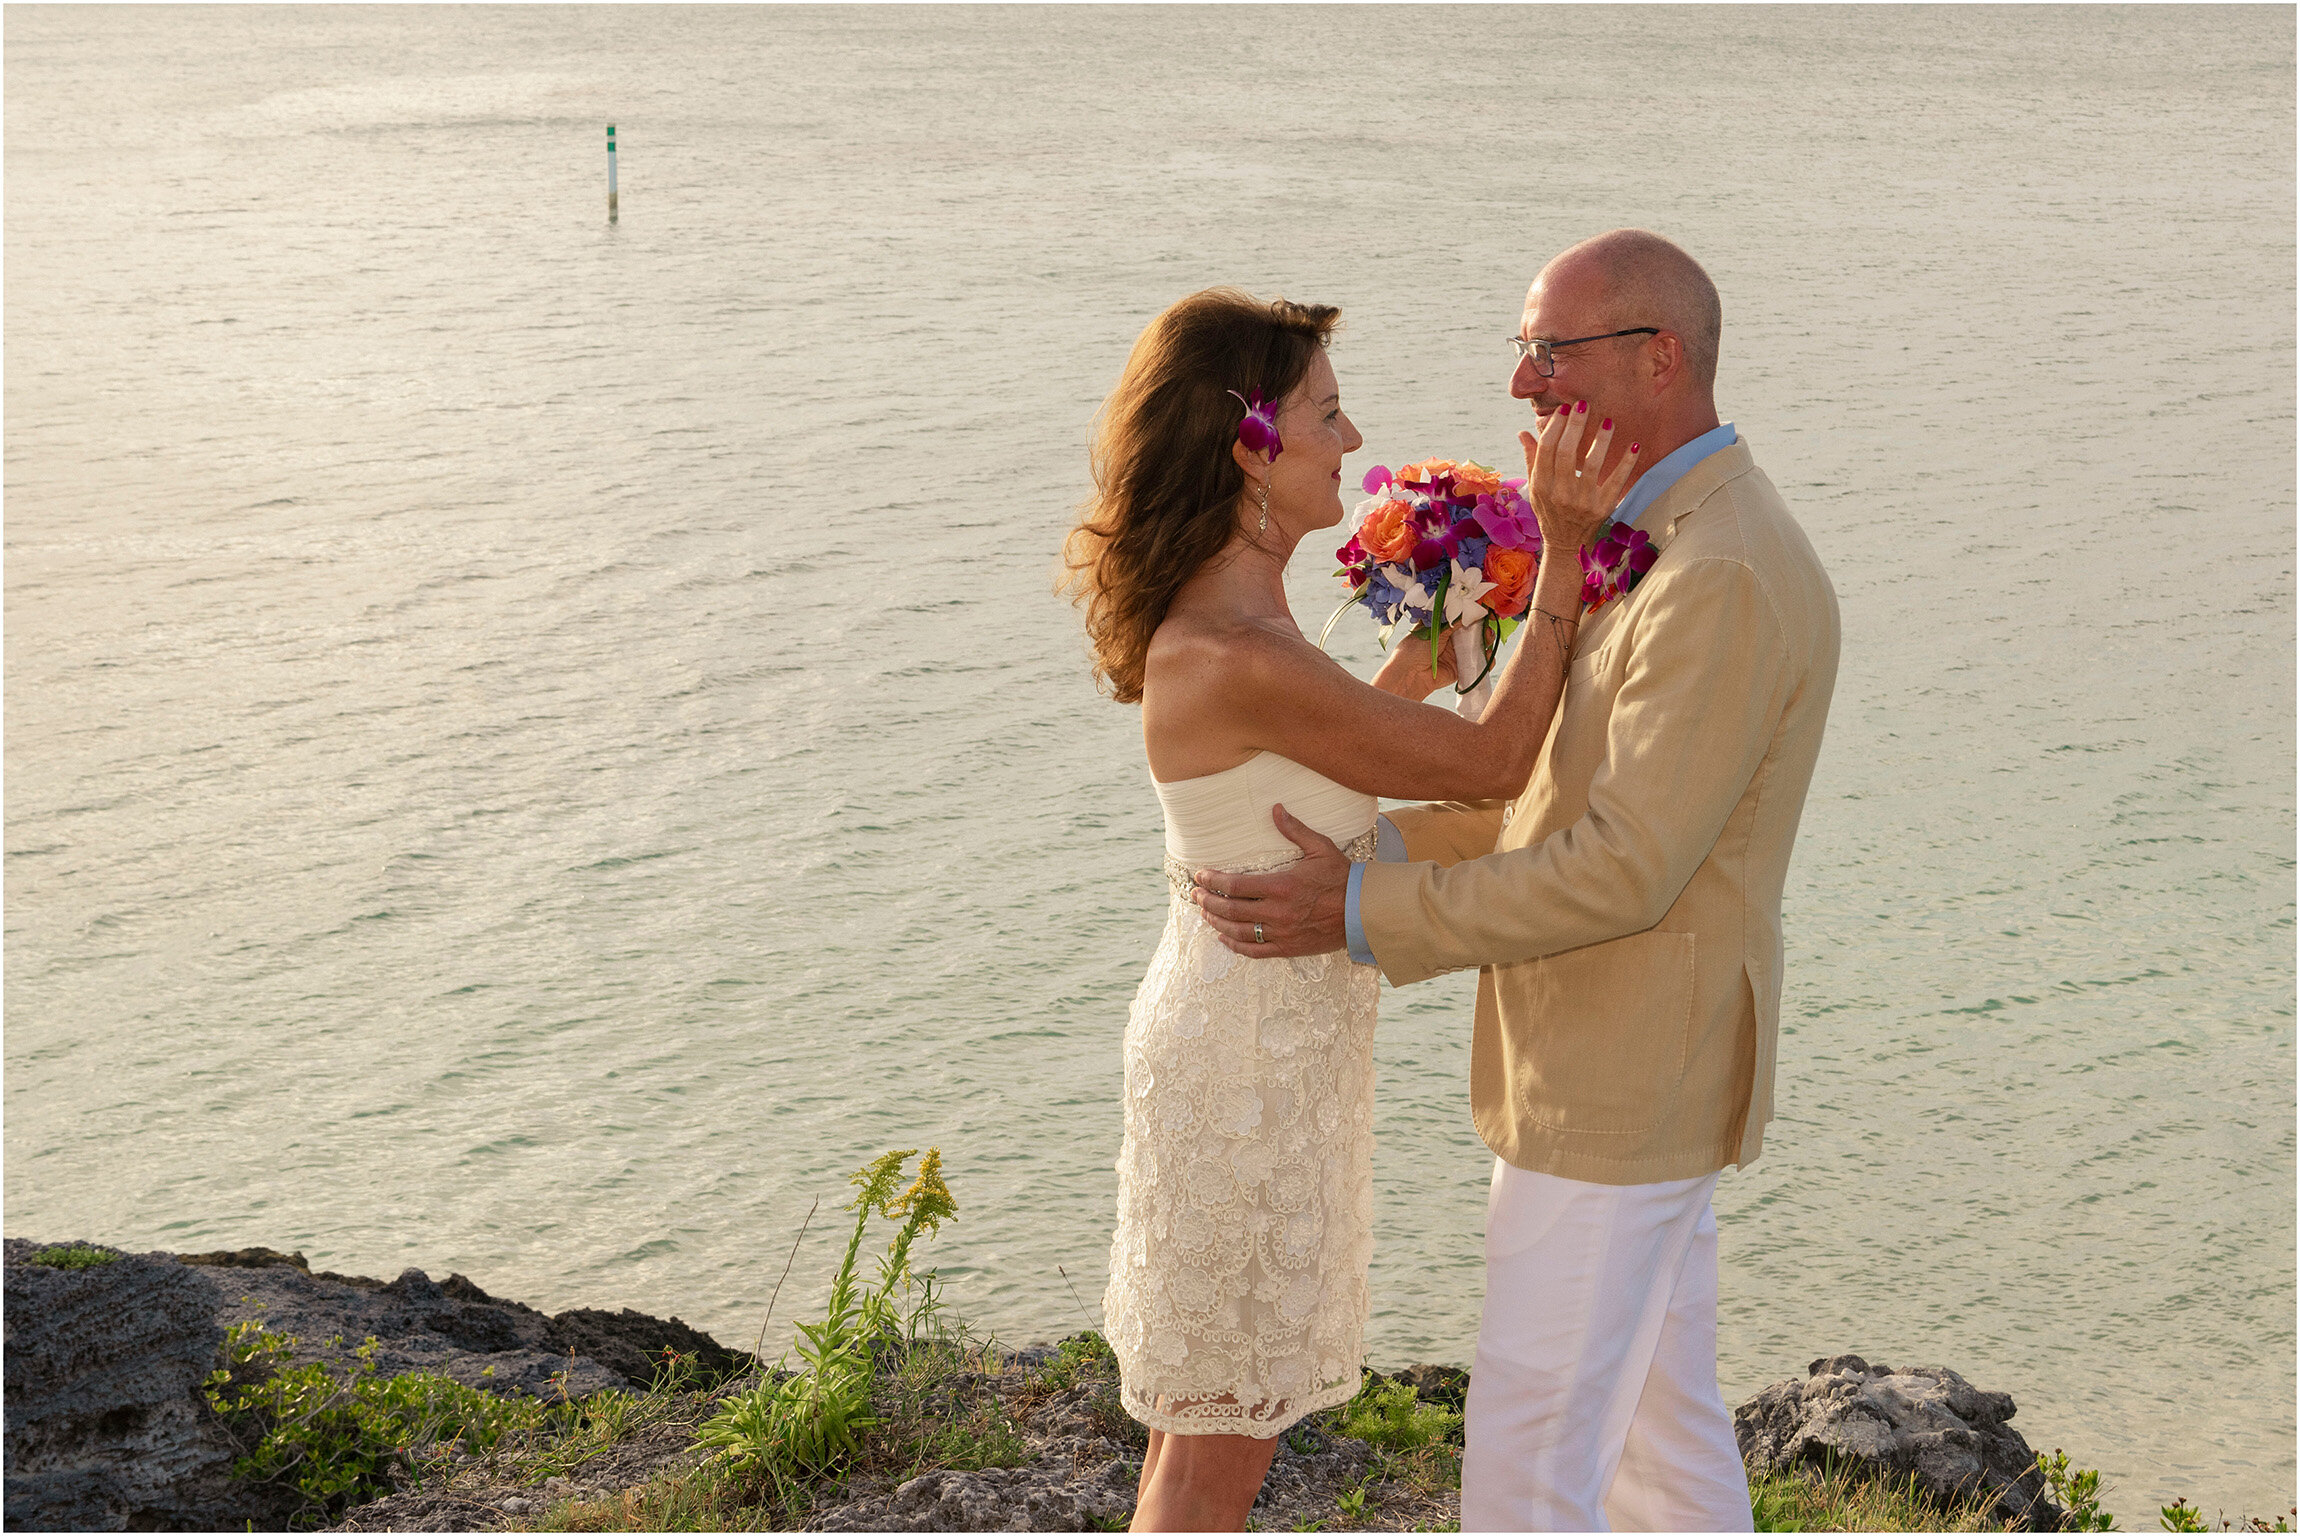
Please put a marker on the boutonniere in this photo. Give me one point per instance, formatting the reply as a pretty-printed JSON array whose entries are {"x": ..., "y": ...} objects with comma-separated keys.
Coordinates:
[{"x": 1615, "y": 564}]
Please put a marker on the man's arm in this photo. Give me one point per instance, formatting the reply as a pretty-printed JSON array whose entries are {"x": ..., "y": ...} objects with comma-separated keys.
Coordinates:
[
  {"x": 1448, "y": 831},
  {"x": 1706, "y": 682}
]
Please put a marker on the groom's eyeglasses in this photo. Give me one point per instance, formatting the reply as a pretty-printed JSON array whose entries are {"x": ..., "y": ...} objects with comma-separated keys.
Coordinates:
[{"x": 1544, "y": 353}]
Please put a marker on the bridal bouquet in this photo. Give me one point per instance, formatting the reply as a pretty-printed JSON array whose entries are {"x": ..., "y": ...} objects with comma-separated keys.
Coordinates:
[{"x": 1440, "y": 544}]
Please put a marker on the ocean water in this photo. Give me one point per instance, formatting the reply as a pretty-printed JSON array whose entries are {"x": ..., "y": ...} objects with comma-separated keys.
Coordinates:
[{"x": 536, "y": 746}]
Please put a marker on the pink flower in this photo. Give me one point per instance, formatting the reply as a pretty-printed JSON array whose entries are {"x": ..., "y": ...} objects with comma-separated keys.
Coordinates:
[
  {"x": 1378, "y": 480},
  {"x": 1508, "y": 520},
  {"x": 1615, "y": 564}
]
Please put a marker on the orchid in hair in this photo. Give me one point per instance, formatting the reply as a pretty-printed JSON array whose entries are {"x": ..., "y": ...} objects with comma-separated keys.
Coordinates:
[{"x": 1259, "y": 431}]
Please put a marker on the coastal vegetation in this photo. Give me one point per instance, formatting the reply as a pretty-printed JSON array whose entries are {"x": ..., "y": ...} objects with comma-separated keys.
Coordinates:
[
  {"x": 73, "y": 1256},
  {"x": 883, "y": 1389},
  {"x": 792, "y": 1424},
  {"x": 341, "y": 1436}
]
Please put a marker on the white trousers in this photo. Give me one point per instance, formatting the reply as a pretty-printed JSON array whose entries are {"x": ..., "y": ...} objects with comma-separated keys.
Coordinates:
[{"x": 1593, "y": 1404}]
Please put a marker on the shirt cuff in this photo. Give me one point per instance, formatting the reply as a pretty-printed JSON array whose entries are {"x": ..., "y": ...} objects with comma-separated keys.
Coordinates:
[
  {"x": 1389, "y": 848},
  {"x": 1389, "y": 842}
]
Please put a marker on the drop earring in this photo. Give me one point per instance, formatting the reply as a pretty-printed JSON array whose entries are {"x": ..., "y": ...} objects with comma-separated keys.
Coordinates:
[{"x": 1263, "y": 525}]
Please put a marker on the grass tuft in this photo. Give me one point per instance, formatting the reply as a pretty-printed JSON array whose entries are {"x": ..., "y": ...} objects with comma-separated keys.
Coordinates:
[
  {"x": 1392, "y": 1416},
  {"x": 73, "y": 1256},
  {"x": 1839, "y": 1499}
]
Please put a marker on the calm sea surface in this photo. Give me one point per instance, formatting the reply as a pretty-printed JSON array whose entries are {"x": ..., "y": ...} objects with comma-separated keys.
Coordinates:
[{"x": 534, "y": 747}]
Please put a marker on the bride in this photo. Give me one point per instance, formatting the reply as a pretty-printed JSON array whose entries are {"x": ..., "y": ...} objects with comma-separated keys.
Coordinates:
[{"x": 1237, "y": 1294}]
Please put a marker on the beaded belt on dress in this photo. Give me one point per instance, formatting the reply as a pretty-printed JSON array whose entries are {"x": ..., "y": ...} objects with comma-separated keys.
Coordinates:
[{"x": 1358, "y": 849}]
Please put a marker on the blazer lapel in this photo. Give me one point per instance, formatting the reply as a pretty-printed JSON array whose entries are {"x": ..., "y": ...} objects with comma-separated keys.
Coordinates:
[{"x": 1660, "y": 521}]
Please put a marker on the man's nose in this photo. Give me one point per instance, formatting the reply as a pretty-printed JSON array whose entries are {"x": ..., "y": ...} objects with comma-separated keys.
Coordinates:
[{"x": 1525, "y": 381}]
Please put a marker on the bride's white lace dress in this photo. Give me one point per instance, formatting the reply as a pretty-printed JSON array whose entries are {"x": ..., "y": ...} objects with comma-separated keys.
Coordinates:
[{"x": 1237, "y": 1296}]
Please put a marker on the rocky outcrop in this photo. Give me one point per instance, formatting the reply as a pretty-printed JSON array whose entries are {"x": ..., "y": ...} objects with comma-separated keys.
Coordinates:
[
  {"x": 637, "y": 1345},
  {"x": 455, "y": 1328},
  {"x": 449, "y": 1326},
  {"x": 1923, "y": 1420},
  {"x": 106, "y": 1429}
]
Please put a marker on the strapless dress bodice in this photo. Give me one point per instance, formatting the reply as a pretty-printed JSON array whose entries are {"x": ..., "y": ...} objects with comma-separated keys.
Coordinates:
[{"x": 1223, "y": 819}]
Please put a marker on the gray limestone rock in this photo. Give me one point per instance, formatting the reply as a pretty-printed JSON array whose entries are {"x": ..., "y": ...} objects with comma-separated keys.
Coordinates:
[
  {"x": 419, "y": 1324},
  {"x": 106, "y": 1429},
  {"x": 636, "y": 1344},
  {"x": 1924, "y": 1420},
  {"x": 1311, "y": 1467},
  {"x": 1049, "y": 1495}
]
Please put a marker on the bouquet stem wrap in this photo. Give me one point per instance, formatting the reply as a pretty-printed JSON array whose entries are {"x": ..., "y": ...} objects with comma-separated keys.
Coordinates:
[{"x": 1468, "y": 662}]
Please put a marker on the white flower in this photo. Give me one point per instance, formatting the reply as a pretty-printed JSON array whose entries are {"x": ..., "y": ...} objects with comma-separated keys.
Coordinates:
[
  {"x": 1462, "y": 594},
  {"x": 1411, "y": 593}
]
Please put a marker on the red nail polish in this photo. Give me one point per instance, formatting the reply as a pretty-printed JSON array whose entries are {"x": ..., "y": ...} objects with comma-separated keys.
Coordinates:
[
  {"x": 1632, "y": 447},
  {"x": 1581, "y": 409},
  {"x": 1606, "y": 425}
]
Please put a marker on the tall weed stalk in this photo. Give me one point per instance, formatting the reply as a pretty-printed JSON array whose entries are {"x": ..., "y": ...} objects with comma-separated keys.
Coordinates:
[{"x": 807, "y": 1422}]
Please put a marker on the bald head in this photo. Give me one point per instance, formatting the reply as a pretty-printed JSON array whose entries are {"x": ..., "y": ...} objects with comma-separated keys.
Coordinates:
[{"x": 1647, "y": 280}]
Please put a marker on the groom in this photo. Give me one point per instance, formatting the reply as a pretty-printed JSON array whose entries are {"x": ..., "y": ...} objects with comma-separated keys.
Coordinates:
[{"x": 1624, "y": 913}]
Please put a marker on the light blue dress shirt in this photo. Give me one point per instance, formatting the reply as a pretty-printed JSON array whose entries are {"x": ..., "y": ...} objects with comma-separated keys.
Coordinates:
[{"x": 1389, "y": 842}]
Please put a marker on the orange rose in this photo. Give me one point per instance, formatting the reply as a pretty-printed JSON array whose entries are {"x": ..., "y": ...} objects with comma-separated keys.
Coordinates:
[
  {"x": 1388, "y": 533},
  {"x": 1476, "y": 480},
  {"x": 1425, "y": 471},
  {"x": 1511, "y": 571}
]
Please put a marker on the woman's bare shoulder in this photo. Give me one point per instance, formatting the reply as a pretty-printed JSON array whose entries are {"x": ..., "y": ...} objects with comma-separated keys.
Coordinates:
[
  {"x": 1231, "y": 656},
  {"x": 1207, "y": 684}
]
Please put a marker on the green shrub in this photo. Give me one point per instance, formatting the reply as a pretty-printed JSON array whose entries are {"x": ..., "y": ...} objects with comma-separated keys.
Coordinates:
[
  {"x": 2077, "y": 1488},
  {"x": 332, "y": 1435},
  {"x": 1390, "y": 1414},
  {"x": 1080, "y": 1357},
  {"x": 73, "y": 1256}
]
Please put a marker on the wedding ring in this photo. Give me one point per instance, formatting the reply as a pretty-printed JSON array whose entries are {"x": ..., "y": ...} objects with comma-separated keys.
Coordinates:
[{"x": 1257, "y": 933}]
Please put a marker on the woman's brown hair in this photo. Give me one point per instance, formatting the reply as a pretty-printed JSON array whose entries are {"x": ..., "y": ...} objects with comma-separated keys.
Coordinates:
[{"x": 1166, "y": 487}]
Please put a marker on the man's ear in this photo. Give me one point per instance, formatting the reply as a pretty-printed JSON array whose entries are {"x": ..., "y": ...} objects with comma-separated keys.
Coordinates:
[{"x": 1668, "y": 360}]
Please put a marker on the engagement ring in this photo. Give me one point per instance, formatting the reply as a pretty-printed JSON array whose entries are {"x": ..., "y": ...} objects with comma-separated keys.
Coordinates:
[{"x": 1257, "y": 933}]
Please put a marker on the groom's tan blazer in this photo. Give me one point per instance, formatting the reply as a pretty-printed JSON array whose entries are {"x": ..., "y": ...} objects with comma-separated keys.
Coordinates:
[{"x": 1625, "y": 910}]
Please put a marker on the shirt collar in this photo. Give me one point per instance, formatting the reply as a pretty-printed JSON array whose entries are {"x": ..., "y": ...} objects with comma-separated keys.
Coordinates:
[{"x": 1654, "y": 482}]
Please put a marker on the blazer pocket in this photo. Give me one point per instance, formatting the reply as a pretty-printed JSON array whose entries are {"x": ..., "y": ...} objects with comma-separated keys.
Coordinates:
[{"x": 1605, "y": 1030}]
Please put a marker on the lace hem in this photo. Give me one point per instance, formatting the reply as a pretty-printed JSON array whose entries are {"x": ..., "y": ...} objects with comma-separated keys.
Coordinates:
[{"x": 1256, "y": 1421}]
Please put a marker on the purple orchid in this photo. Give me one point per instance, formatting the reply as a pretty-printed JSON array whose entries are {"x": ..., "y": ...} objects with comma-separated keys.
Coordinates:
[
  {"x": 1259, "y": 431},
  {"x": 1508, "y": 520},
  {"x": 1615, "y": 564}
]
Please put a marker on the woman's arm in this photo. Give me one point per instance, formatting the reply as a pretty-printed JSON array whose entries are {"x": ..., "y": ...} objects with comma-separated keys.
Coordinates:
[{"x": 1301, "y": 704}]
